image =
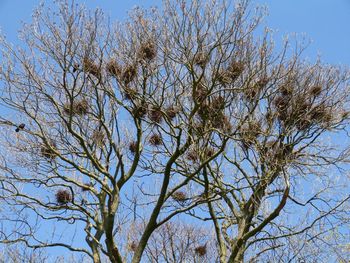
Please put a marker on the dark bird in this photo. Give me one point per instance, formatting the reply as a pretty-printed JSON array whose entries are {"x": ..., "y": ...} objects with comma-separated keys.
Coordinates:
[
  {"x": 20, "y": 127},
  {"x": 75, "y": 67}
]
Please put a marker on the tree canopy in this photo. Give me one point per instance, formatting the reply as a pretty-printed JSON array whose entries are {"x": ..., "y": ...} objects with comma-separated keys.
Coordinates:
[{"x": 179, "y": 135}]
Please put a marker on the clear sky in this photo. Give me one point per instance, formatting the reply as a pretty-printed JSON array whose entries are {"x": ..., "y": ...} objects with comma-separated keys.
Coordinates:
[{"x": 326, "y": 22}]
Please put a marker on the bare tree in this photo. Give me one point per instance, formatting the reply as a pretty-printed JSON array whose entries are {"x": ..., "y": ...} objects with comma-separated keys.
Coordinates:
[
  {"x": 118, "y": 134},
  {"x": 22, "y": 254},
  {"x": 18, "y": 253},
  {"x": 175, "y": 242}
]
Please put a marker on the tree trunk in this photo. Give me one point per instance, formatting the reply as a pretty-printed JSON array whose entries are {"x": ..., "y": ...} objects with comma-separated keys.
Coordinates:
[{"x": 96, "y": 254}]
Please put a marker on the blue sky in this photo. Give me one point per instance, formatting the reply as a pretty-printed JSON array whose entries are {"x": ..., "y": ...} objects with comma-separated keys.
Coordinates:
[{"x": 325, "y": 22}]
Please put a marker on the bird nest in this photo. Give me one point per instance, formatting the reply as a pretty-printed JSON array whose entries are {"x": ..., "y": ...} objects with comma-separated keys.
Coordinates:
[
  {"x": 63, "y": 197},
  {"x": 49, "y": 150},
  {"x": 113, "y": 68},
  {"x": 250, "y": 132},
  {"x": 155, "y": 140},
  {"x": 171, "y": 112},
  {"x": 200, "y": 92},
  {"x": 201, "y": 59},
  {"x": 98, "y": 137},
  {"x": 139, "y": 111},
  {"x": 315, "y": 91},
  {"x": 251, "y": 92},
  {"x": 80, "y": 108},
  {"x": 132, "y": 246},
  {"x": 155, "y": 114},
  {"x": 179, "y": 196},
  {"x": 129, "y": 74},
  {"x": 147, "y": 51},
  {"x": 129, "y": 93},
  {"x": 192, "y": 155},
  {"x": 201, "y": 250},
  {"x": 89, "y": 66},
  {"x": 133, "y": 147},
  {"x": 209, "y": 152},
  {"x": 231, "y": 73}
]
